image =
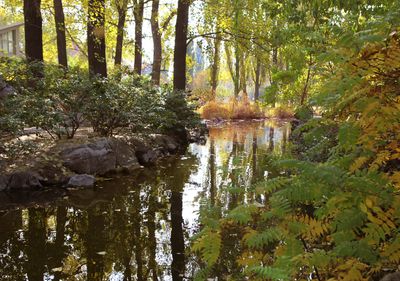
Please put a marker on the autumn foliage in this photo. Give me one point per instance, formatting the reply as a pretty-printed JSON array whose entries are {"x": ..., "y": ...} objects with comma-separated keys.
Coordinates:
[
  {"x": 335, "y": 217},
  {"x": 233, "y": 109}
]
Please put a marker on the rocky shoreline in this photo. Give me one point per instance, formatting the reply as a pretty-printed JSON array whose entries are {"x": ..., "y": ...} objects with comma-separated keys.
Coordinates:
[{"x": 78, "y": 164}]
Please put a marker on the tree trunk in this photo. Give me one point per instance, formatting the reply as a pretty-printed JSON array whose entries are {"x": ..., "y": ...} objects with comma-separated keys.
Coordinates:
[
  {"x": 33, "y": 34},
  {"x": 237, "y": 72},
  {"x": 157, "y": 51},
  {"x": 257, "y": 82},
  {"x": 182, "y": 21},
  {"x": 275, "y": 65},
  {"x": 60, "y": 30},
  {"x": 96, "y": 38},
  {"x": 121, "y": 8},
  {"x": 243, "y": 74},
  {"x": 305, "y": 89},
  {"x": 138, "y": 12},
  {"x": 237, "y": 51},
  {"x": 216, "y": 64}
]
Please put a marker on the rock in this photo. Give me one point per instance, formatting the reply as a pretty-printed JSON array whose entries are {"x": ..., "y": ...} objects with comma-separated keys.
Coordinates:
[
  {"x": 144, "y": 153},
  {"x": 82, "y": 181},
  {"x": 165, "y": 143},
  {"x": 99, "y": 158},
  {"x": 24, "y": 180},
  {"x": 51, "y": 173},
  {"x": 148, "y": 157},
  {"x": 95, "y": 158},
  {"x": 392, "y": 277},
  {"x": 125, "y": 155},
  {"x": 4, "y": 182}
]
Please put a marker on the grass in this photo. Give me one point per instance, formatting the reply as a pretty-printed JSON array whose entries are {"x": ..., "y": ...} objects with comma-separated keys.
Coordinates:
[
  {"x": 280, "y": 112},
  {"x": 243, "y": 109}
]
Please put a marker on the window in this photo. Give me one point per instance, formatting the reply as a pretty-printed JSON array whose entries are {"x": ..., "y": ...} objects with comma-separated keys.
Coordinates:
[{"x": 7, "y": 43}]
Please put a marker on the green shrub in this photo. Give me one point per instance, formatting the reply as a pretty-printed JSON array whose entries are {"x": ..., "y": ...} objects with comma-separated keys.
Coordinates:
[
  {"x": 177, "y": 112},
  {"x": 116, "y": 104},
  {"x": 61, "y": 101},
  {"x": 54, "y": 103},
  {"x": 303, "y": 113}
]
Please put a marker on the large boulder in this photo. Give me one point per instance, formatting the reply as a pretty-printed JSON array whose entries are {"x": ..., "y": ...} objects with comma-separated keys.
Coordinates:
[
  {"x": 51, "y": 172},
  {"x": 24, "y": 180},
  {"x": 153, "y": 147},
  {"x": 148, "y": 157},
  {"x": 165, "y": 143},
  {"x": 125, "y": 155},
  {"x": 82, "y": 181},
  {"x": 100, "y": 157},
  {"x": 4, "y": 179}
]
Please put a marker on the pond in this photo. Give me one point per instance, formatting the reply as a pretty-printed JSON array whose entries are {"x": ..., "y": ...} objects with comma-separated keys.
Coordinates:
[{"x": 135, "y": 227}]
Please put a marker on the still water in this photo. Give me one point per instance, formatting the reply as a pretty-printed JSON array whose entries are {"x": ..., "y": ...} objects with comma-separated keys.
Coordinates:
[{"x": 134, "y": 227}]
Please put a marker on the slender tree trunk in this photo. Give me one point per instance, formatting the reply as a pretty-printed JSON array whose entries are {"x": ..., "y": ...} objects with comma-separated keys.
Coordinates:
[
  {"x": 96, "y": 38},
  {"x": 229, "y": 61},
  {"x": 33, "y": 34},
  {"x": 275, "y": 64},
  {"x": 138, "y": 12},
  {"x": 216, "y": 64},
  {"x": 157, "y": 50},
  {"x": 121, "y": 8},
  {"x": 237, "y": 72},
  {"x": 233, "y": 70},
  {"x": 181, "y": 29},
  {"x": 243, "y": 74},
  {"x": 257, "y": 82},
  {"x": 305, "y": 89},
  {"x": 237, "y": 51},
  {"x": 60, "y": 30}
]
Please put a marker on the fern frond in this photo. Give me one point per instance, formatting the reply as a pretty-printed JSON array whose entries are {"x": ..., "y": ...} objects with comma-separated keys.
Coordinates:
[{"x": 258, "y": 240}]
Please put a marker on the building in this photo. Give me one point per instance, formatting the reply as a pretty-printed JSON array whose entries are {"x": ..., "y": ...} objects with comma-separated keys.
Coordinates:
[{"x": 10, "y": 40}]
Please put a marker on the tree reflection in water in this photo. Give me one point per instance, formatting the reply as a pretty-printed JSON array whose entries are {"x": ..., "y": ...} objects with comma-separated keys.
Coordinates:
[{"x": 138, "y": 227}]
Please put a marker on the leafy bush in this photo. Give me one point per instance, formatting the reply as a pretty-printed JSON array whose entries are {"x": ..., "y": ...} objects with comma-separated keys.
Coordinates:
[
  {"x": 111, "y": 105},
  {"x": 303, "y": 113},
  {"x": 177, "y": 115},
  {"x": 54, "y": 103},
  {"x": 61, "y": 101},
  {"x": 133, "y": 103}
]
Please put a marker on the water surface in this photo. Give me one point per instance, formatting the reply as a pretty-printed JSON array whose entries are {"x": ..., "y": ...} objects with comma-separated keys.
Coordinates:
[{"x": 136, "y": 227}]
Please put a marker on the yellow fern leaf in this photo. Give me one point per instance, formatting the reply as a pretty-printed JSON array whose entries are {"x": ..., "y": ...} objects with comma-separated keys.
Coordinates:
[{"x": 358, "y": 163}]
